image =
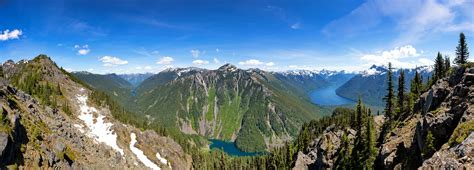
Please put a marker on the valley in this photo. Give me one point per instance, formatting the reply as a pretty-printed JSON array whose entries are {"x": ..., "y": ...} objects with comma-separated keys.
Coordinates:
[{"x": 236, "y": 85}]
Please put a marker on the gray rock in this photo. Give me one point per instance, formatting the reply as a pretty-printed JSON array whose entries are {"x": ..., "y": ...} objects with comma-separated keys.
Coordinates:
[
  {"x": 3, "y": 143},
  {"x": 59, "y": 146}
]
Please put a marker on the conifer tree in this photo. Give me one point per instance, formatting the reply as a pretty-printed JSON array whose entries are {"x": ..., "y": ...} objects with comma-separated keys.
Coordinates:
[
  {"x": 359, "y": 152},
  {"x": 344, "y": 159},
  {"x": 439, "y": 67},
  {"x": 370, "y": 141},
  {"x": 401, "y": 93},
  {"x": 447, "y": 64},
  {"x": 462, "y": 53},
  {"x": 390, "y": 95}
]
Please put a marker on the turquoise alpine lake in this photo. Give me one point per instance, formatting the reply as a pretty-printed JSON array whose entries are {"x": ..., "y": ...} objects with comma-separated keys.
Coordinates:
[
  {"x": 230, "y": 148},
  {"x": 327, "y": 96}
]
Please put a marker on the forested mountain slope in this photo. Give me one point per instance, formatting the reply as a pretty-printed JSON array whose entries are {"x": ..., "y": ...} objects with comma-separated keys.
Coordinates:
[
  {"x": 115, "y": 86},
  {"x": 251, "y": 107}
]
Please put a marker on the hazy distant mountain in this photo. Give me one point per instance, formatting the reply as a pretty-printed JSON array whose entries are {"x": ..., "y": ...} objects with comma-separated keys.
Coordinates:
[
  {"x": 305, "y": 81},
  {"x": 135, "y": 79},
  {"x": 371, "y": 84}
]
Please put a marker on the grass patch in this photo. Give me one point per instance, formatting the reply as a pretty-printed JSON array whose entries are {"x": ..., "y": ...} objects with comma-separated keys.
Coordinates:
[{"x": 461, "y": 132}]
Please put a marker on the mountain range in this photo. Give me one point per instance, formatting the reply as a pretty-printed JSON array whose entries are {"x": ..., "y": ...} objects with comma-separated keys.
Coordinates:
[
  {"x": 53, "y": 118},
  {"x": 220, "y": 104}
]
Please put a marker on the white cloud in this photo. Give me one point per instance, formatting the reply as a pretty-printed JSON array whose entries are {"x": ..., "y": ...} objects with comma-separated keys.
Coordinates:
[
  {"x": 405, "y": 56},
  {"x": 296, "y": 26},
  {"x": 414, "y": 19},
  {"x": 165, "y": 60},
  {"x": 217, "y": 50},
  {"x": 195, "y": 53},
  {"x": 269, "y": 64},
  {"x": 200, "y": 62},
  {"x": 251, "y": 62},
  {"x": 82, "y": 50},
  {"x": 148, "y": 68},
  {"x": 216, "y": 61},
  {"x": 110, "y": 61},
  {"x": 10, "y": 35},
  {"x": 254, "y": 62}
]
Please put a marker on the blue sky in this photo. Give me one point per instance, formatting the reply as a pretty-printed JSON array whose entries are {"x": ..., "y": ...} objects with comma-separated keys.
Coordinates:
[{"x": 129, "y": 36}]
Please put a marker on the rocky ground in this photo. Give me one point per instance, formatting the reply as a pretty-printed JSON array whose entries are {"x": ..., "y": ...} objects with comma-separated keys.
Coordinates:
[
  {"x": 446, "y": 111},
  {"x": 33, "y": 135}
]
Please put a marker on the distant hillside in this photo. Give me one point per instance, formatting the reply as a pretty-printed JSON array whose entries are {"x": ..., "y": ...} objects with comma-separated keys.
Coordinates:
[
  {"x": 371, "y": 84},
  {"x": 112, "y": 84},
  {"x": 306, "y": 80},
  {"x": 135, "y": 79}
]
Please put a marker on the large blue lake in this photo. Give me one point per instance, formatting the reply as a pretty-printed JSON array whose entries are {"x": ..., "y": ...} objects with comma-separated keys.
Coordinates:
[
  {"x": 327, "y": 97},
  {"x": 230, "y": 148}
]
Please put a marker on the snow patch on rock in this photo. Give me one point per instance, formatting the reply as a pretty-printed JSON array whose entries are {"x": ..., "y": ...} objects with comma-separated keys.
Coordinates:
[
  {"x": 139, "y": 153},
  {"x": 162, "y": 160},
  {"x": 96, "y": 128}
]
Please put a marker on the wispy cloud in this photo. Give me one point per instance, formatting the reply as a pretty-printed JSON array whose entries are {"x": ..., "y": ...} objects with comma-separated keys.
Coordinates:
[
  {"x": 216, "y": 61},
  {"x": 284, "y": 16},
  {"x": 270, "y": 64},
  {"x": 10, "y": 35},
  {"x": 195, "y": 53},
  {"x": 110, "y": 61},
  {"x": 82, "y": 50},
  {"x": 85, "y": 28},
  {"x": 200, "y": 62},
  {"x": 296, "y": 26},
  {"x": 419, "y": 19},
  {"x": 145, "y": 52},
  {"x": 254, "y": 62},
  {"x": 165, "y": 60}
]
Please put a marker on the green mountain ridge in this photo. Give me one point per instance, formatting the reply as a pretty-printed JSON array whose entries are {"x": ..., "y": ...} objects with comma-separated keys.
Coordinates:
[{"x": 251, "y": 107}]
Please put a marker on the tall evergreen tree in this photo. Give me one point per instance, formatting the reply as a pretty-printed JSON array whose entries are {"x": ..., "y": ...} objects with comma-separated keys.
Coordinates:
[
  {"x": 447, "y": 64},
  {"x": 462, "y": 53},
  {"x": 359, "y": 146},
  {"x": 401, "y": 93},
  {"x": 343, "y": 161},
  {"x": 390, "y": 95},
  {"x": 439, "y": 67},
  {"x": 371, "y": 150}
]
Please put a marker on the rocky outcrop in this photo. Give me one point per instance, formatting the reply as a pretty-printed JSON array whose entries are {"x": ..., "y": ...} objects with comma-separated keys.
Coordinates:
[
  {"x": 457, "y": 157},
  {"x": 322, "y": 152},
  {"x": 439, "y": 113},
  {"x": 41, "y": 136}
]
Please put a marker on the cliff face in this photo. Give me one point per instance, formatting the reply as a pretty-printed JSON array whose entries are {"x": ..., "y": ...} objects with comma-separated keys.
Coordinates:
[
  {"x": 439, "y": 134},
  {"x": 58, "y": 125}
]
